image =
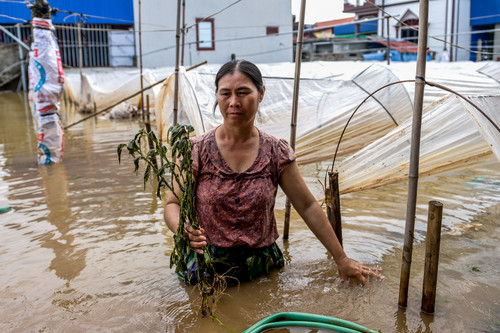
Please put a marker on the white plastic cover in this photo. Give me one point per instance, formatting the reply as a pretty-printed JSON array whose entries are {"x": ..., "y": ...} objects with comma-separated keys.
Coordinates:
[{"x": 330, "y": 92}]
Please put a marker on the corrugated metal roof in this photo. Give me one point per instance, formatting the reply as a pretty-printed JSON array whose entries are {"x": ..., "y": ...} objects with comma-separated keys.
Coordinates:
[
  {"x": 401, "y": 46},
  {"x": 109, "y": 11}
]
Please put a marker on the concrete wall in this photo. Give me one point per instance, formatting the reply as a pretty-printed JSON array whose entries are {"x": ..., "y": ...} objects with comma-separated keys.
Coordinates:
[
  {"x": 239, "y": 30},
  {"x": 9, "y": 55}
]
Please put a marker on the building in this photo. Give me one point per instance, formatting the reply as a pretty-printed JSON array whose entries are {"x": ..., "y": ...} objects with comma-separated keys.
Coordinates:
[
  {"x": 485, "y": 24},
  {"x": 468, "y": 25},
  {"x": 108, "y": 33},
  {"x": 217, "y": 30}
]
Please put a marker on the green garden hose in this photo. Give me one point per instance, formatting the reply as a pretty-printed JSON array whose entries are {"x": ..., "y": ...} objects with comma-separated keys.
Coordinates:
[
  {"x": 287, "y": 319},
  {"x": 4, "y": 209}
]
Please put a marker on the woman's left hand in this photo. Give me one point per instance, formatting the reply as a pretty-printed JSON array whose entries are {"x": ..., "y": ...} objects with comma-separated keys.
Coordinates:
[{"x": 349, "y": 268}]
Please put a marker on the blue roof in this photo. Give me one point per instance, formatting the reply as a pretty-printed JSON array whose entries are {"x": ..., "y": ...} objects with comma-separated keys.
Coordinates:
[
  {"x": 484, "y": 12},
  {"x": 109, "y": 11}
]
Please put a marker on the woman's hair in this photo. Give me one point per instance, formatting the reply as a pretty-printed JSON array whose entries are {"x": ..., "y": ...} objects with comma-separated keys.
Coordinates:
[{"x": 243, "y": 66}]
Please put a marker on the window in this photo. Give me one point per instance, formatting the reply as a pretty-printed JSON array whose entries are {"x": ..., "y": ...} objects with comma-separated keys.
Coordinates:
[
  {"x": 409, "y": 33},
  {"x": 205, "y": 40},
  {"x": 272, "y": 30}
]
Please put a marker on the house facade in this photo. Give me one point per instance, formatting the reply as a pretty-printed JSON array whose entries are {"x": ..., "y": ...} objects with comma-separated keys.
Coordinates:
[
  {"x": 448, "y": 21},
  {"x": 216, "y": 31},
  {"x": 457, "y": 26},
  {"x": 108, "y": 34}
]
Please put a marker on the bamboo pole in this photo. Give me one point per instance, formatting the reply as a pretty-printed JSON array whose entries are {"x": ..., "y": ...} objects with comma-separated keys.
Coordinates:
[
  {"x": 479, "y": 47},
  {"x": 432, "y": 245},
  {"x": 183, "y": 31},
  {"x": 177, "y": 51},
  {"x": 333, "y": 204},
  {"x": 141, "y": 104},
  {"x": 414, "y": 154},
  {"x": 126, "y": 98},
  {"x": 293, "y": 125}
]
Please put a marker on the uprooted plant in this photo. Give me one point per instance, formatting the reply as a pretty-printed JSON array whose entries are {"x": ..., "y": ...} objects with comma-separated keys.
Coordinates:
[{"x": 178, "y": 168}]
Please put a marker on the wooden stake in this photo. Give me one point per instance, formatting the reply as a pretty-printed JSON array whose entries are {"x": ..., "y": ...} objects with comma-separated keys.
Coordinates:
[
  {"x": 432, "y": 245},
  {"x": 415, "y": 153},
  {"x": 333, "y": 204}
]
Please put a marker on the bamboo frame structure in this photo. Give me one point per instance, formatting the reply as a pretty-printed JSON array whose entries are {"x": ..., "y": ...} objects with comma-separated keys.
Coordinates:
[{"x": 414, "y": 153}]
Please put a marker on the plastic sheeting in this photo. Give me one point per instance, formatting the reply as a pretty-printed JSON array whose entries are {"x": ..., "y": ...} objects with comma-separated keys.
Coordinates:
[
  {"x": 453, "y": 135},
  {"x": 373, "y": 150},
  {"x": 325, "y": 106},
  {"x": 100, "y": 88}
]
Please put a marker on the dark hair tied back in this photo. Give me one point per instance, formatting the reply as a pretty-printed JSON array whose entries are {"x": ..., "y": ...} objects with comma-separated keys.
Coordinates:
[{"x": 243, "y": 66}]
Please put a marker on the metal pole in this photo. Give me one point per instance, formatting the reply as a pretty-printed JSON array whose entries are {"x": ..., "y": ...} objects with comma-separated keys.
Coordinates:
[
  {"x": 14, "y": 37},
  {"x": 177, "y": 51},
  {"x": 293, "y": 124},
  {"x": 21, "y": 57},
  {"x": 432, "y": 244},
  {"x": 446, "y": 24},
  {"x": 388, "y": 43},
  {"x": 452, "y": 30},
  {"x": 140, "y": 62},
  {"x": 415, "y": 152}
]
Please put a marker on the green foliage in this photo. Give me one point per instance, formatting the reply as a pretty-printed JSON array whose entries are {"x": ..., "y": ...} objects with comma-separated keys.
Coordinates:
[{"x": 175, "y": 172}]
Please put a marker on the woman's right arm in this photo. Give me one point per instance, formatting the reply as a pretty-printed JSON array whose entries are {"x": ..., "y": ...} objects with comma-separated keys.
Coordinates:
[{"x": 171, "y": 216}]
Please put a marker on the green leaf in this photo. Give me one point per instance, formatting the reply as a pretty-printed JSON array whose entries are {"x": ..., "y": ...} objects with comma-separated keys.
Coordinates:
[{"x": 119, "y": 151}]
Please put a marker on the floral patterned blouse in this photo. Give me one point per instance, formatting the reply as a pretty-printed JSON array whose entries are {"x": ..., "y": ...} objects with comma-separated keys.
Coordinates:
[{"x": 238, "y": 208}]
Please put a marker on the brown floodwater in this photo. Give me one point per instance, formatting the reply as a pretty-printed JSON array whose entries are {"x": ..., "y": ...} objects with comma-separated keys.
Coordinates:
[{"x": 84, "y": 247}]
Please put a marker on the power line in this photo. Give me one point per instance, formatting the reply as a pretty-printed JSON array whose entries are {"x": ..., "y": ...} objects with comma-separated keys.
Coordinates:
[{"x": 220, "y": 11}]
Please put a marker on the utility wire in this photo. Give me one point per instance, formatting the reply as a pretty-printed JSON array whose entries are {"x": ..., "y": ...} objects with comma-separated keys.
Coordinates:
[
  {"x": 262, "y": 36},
  {"x": 210, "y": 16}
]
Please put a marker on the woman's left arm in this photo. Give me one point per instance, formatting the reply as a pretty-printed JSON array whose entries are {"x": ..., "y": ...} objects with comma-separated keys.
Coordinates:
[{"x": 305, "y": 203}]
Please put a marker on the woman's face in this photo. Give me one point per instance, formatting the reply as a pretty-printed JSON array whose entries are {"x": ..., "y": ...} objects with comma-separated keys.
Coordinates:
[{"x": 238, "y": 99}]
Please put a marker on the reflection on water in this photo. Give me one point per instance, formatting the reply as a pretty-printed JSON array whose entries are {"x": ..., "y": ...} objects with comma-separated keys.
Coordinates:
[
  {"x": 84, "y": 247},
  {"x": 68, "y": 261}
]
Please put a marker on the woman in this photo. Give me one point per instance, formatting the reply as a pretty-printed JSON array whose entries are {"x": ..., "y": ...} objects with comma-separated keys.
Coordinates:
[{"x": 238, "y": 169}]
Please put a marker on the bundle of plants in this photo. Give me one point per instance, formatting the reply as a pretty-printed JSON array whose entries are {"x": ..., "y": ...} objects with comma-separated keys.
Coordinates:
[{"x": 177, "y": 167}]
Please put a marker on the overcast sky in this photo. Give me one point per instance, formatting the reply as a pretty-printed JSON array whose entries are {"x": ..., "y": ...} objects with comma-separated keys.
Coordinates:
[{"x": 320, "y": 10}]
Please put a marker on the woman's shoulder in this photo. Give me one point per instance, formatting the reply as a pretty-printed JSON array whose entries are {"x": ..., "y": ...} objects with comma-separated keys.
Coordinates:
[
  {"x": 266, "y": 137},
  {"x": 196, "y": 140}
]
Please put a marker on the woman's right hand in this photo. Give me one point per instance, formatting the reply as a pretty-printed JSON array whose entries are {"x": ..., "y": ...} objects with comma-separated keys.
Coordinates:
[{"x": 196, "y": 238}]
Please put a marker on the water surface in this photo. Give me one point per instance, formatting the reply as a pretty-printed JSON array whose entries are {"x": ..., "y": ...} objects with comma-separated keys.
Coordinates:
[{"x": 84, "y": 247}]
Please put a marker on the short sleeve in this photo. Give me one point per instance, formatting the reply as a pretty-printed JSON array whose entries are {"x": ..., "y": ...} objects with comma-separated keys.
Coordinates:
[
  {"x": 286, "y": 155},
  {"x": 195, "y": 153}
]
